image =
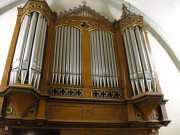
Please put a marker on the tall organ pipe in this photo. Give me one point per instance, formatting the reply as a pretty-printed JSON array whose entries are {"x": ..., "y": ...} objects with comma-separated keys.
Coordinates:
[
  {"x": 71, "y": 55},
  {"x": 42, "y": 51},
  {"x": 110, "y": 61},
  {"x": 80, "y": 58},
  {"x": 54, "y": 59},
  {"x": 32, "y": 70},
  {"x": 143, "y": 59},
  {"x": 67, "y": 55},
  {"x": 149, "y": 60},
  {"x": 29, "y": 44},
  {"x": 129, "y": 63},
  {"x": 19, "y": 52},
  {"x": 137, "y": 59},
  {"x": 59, "y": 56},
  {"x": 37, "y": 52},
  {"x": 75, "y": 58},
  {"x": 13, "y": 77},
  {"x": 132, "y": 61}
]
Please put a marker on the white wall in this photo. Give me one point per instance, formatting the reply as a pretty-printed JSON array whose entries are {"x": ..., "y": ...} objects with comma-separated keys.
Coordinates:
[
  {"x": 169, "y": 78},
  {"x": 168, "y": 74},
  {"x": 7, "y": 24}
]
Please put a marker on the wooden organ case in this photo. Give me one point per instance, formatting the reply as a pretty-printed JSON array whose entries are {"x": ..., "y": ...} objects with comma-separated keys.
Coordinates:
[{"x": 78, "y": 73}]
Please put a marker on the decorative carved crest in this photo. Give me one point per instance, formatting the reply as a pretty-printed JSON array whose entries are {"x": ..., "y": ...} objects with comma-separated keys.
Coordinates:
[
  {"x": 83, "y": 11},
  {"x": 125, "y": 11}
]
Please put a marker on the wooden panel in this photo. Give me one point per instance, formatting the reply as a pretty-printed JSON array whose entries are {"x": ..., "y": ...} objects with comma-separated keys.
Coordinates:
[
  {"x": 107, "y": 113},
  {"x": 65, "y": 112},
  {"x": 104, "y": 132},
  {"x": 86, "y": 112},
  {"x": 101, "y": 113},
  {"x": 74, "y": 132}
]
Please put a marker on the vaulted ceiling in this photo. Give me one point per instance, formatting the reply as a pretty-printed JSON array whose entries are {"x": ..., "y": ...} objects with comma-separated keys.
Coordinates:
[{"x": 161, "y": 18}]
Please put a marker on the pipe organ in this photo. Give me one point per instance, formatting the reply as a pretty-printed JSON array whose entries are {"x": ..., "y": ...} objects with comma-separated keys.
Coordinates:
[{"x": 78, "y": 73}]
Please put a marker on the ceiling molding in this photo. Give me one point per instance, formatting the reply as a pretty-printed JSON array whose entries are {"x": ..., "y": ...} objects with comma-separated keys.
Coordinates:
[{"x": 10, "y": 5}]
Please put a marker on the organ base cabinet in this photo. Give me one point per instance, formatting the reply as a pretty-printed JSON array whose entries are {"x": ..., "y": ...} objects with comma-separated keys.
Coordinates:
[{"x": 78, "y": 73}]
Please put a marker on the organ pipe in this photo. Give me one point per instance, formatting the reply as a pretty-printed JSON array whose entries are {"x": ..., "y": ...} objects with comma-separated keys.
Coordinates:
[
  {"x": 139, "y": 64},
  {"x": 129, "y": 64},
  {"x": 67, "y": 56},
  {"x": 132, "y": 61},
  {"x": 137, "y": 59},
  {"x": 149, "y": 60},
  {"x": 103, "y": 60},
  {"x": 20, "y": 46},
  {"x": 28, "y": 56},
  {"x": 27, "y": 53}
]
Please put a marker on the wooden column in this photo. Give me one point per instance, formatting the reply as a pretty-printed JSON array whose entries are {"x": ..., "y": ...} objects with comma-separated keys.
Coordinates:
[
  {"x": 48, "y": 57},
  {"x": 41, "y": 110},
  {"x": 131, "y": 112},
  {"x": 122, "y": 63},
  {"x": 1, "y": 105},
  {"x": 86, "y": 65}
]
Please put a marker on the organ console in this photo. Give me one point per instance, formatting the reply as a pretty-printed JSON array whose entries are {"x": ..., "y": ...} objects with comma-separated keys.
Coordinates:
[{"x": 78, "y": 73}]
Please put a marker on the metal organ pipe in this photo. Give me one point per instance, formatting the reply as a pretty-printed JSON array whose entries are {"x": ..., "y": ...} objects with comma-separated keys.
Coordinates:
[
  {"x": 64, "y": 55},
  {"x": 37, "y": 52},
  {"x": 14, "y": 70},
  {"x": 143, "y": 59},
  {"x": 27, "y": 61},
  {"x": 59, "y": 56},
  {"x": 129, "y": 63},
  {"x": 139, "y": 65},
  {"x": 54, "y": 58},
  {"x": 71, "y": 55},
  {"x": 67, "y": 57},
  {"x": 19, "y": 52},
  {"x": 115, "y": 63},
  {"x": 137, "y": 60},
  {"x": 108, "y": 64},
  {"x": 103, "y": 61},
  {"x": 32, "y": 70},
  {"x": 42, "y": 51},
  {"x": 80, "y": 58},
  {"x": 149, "y": 60},
  {"x": 99, "y": 83},
  {"x": 75, "y": 58},
  {"x": 135, "y": 76},
  {"x": 29, "y": 44}
]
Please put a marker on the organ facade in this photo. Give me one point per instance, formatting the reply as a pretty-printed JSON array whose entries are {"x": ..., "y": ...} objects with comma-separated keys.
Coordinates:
[{"x": 78, "y": 73}]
